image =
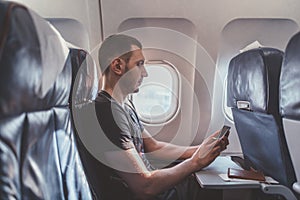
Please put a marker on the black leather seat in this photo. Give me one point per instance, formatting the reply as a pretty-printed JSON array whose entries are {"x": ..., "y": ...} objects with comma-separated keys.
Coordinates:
[
  {"x": 92, "y": 142},
  {"x": 88, "y": 131},
  {"x": 290, "y": 102},
  {"x": 38, "y": 152},
  {"x": 253, "y": 85}
]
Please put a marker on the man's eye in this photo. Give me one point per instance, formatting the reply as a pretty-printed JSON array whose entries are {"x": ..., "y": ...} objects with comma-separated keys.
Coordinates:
[{"x": 140, "y": 63}]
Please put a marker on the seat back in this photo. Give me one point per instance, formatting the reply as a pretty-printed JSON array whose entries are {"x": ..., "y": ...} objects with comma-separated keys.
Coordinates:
[
  {"x": 253, "y": 81},
  {"x": 92, "y": 142},
  {"x": 85, "y": 78},
  {"x": 38, "y": 151},
  {"x": 290, "y": 101},
  {"x": 84, "y": 91}
]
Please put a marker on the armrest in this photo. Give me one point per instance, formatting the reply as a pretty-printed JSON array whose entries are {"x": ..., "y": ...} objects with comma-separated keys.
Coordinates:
[
  {"x": 278, "y": 189},
  {"x": 296, "y": 187}
]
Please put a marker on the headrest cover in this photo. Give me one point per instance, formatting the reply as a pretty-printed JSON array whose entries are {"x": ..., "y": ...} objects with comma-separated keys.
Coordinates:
[
  {"x": 253, "y": 77},
  {"x": 290, "y": 80},
  {"x": 33, "y": 63}
]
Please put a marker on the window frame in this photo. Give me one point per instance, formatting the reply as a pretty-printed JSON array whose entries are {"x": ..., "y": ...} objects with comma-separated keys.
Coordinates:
[{"x": 168, "y": 116}]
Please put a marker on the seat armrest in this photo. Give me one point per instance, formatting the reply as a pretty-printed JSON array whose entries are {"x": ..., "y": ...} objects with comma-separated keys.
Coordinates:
[
  {"x": 278, "y": 189},
  {"x": 296, "y": 187}
]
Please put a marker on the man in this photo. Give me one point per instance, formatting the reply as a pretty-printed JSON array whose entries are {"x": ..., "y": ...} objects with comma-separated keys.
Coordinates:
[{"x": 127, "y": 171}]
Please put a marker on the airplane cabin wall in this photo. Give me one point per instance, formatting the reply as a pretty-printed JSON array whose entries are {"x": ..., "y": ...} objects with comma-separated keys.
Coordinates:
[
  {"x": 85, "y": 11},
  {"x": 209, "y": 18}
]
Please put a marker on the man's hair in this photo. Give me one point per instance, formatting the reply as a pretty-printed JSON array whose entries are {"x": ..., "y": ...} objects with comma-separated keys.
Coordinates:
[{"x": 116, "y": 46}]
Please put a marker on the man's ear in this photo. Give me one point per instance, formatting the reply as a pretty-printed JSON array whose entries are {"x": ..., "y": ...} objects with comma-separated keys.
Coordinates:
[{"x": 116, "y": 66}]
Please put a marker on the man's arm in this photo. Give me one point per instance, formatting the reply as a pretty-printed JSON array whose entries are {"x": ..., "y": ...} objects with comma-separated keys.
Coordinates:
[
  {"x": 144, "y": 183},
  {"x": 167, "y": 151}
]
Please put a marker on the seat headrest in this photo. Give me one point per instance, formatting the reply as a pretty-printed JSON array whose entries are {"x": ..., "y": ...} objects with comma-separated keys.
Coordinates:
[
  {"x": 290, "y": 80},
  {"x": 35, "y": 70},
  {"x": 253, "y": 77},
  {"x": 85, "y": 79},
  {"x": 72, "y": 31}
]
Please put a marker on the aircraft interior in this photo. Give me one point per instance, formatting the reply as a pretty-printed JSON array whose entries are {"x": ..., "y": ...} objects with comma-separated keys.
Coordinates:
[{"x": 209, "y": 64}]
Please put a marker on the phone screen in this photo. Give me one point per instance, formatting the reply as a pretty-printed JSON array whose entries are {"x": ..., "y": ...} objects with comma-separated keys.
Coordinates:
[{"x": 224, "y": 131}]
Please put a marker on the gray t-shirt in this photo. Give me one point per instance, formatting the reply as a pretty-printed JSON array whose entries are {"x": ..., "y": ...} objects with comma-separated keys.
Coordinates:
[
  {"x": 124, "y": 129},
  {"x": 120, "y": 125}
]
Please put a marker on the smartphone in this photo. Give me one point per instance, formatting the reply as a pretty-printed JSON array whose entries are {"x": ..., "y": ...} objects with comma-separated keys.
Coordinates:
[{"x": 224, "y": 131}]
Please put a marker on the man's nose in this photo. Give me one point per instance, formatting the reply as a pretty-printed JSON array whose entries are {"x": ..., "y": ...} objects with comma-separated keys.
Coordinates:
[{"x": 144, "y": 72}]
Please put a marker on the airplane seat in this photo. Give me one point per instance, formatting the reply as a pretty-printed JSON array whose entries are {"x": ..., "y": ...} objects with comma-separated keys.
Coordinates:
[
  {"x": 290, "y": 102},
  {"x": 84, "y": 91},
  {"x": 39, "y": 158},
  {"x": 85, "y": 78},
  {"x": 88, "y": 131},
  {"x": 252, "y": 93},
  {"x": 91, "y": 142}
]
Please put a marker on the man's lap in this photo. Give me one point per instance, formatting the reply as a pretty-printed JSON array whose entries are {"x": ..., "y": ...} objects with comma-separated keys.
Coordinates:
[{"x": 189, "y": 189}]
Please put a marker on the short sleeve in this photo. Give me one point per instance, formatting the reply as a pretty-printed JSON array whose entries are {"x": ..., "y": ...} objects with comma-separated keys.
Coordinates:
[{"x": 114, "y": 124}]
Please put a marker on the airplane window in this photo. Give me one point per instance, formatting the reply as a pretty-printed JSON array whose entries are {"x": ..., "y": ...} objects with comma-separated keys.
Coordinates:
[
  {"x": 157, "y": 100},
  {"x": 227, "y": 109}
]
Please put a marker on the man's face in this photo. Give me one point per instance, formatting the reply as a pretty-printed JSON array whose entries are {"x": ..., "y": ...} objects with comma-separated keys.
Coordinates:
[{"x": 134, "y": 72}]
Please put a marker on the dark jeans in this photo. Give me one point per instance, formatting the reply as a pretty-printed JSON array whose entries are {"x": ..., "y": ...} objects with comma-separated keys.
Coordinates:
[{"x": 189, "y": 189}]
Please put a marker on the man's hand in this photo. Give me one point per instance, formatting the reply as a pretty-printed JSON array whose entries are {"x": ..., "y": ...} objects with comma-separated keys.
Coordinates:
[{"x": 210, "y": 148}]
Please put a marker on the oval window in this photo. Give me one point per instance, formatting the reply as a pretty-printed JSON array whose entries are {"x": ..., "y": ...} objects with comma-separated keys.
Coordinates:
[{"x": 158, "y": 98}]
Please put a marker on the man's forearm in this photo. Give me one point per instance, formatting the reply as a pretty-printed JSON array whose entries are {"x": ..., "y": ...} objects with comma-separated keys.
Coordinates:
[
  {"x": 169, "y": 151},
  {"x": 163, "y": 179}
]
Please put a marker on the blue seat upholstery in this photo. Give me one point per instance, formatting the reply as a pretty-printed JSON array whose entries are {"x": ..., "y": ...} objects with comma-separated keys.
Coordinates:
[
  {"x": 38, "y": 151},
  {"x": 253, "y": 94},
  {"x": 290, "y": 102}
]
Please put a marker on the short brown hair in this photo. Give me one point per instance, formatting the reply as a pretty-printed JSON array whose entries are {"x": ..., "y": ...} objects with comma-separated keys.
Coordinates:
[{"x": 115, "y": 46}]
